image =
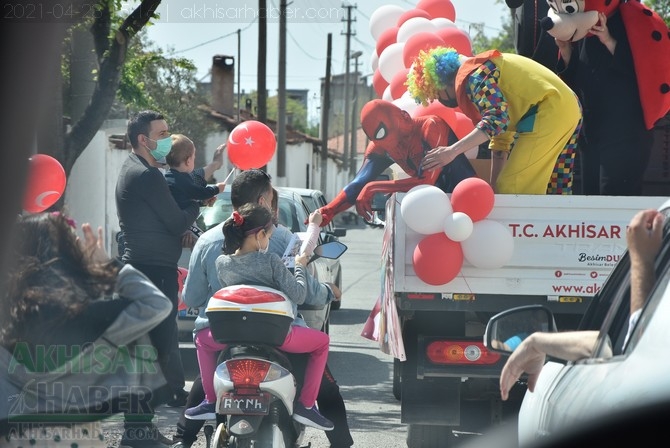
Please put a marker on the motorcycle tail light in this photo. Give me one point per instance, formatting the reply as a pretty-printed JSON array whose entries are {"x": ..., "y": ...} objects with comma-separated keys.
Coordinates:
[
  {"x": 248, "y": 373},
  {"x": 460, "y": 352}
]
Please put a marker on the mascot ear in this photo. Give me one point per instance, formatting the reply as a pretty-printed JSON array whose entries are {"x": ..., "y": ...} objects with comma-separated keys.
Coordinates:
[{"x": 514, "y": 3}]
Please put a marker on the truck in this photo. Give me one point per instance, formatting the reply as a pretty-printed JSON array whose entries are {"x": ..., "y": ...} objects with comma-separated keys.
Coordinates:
[{"x": 564, "y": 247}]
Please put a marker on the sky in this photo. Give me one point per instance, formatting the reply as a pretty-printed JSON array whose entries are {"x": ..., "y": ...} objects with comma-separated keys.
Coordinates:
[{"x": 184, "y": 30}]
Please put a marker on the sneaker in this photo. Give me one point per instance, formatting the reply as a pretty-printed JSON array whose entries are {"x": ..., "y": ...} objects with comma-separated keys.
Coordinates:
[
  {"x": 203, "y": 411},
  {"x": 311, "y": 417},
  {"x": 178, "y": 399}
]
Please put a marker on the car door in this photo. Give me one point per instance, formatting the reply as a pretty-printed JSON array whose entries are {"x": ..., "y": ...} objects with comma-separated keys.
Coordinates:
[{"x": 568, "y": 394}]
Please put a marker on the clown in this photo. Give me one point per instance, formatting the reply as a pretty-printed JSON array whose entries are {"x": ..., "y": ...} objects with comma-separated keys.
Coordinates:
[
  {"x": 614, "y": 54},
  {"x": 395, "y": 137}
]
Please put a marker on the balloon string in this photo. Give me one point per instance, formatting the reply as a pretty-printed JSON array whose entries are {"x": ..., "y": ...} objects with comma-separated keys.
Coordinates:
[{"x": 466, "y": 281}]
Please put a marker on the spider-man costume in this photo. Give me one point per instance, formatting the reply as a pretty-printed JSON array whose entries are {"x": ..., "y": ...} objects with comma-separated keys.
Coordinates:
[{"x": 395, "y": 137}]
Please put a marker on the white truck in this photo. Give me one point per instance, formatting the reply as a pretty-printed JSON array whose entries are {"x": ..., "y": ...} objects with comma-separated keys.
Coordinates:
[{"x": 564, "y": 249}]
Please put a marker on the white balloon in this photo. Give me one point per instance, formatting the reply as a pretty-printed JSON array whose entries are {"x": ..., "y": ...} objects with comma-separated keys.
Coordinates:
[
  {"x": 390, "y": 61},
  {"x": 387, "y": 94},
  {"x": 458, "y": 226},
  {"x": 413, "y": 26},
  {"x": 384, "y": 17},
  {"x": 442, "y": 22},
  {"x": 424, "y": 209},
  {"x": 406, "y": 103},
  {"x": 374, "y": 60},
  {"x": 490, "y": 245}
]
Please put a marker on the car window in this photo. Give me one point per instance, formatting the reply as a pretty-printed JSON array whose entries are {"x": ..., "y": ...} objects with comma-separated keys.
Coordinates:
[
  {"x": 292, "y": 213},
  {"x": 217, "y": 213}
]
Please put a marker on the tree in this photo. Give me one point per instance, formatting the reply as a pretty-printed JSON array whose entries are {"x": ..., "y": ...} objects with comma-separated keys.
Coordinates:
[
  {"x": 504, "y": 41},
  {"x": 662, "y": 8},
  {"x": 112, "y": 36},
  {"x": 150, "y": 79}
]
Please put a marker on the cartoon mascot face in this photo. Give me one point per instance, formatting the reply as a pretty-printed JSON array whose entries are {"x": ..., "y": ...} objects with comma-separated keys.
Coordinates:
[{"x": 571, "y": 20}]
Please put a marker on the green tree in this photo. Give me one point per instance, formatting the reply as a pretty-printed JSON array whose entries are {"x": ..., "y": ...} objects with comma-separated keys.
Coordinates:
[
  {"x": 504, "y": 41},
  {"x": 150, "y": 79},
  {"x": 112, "y": 31},
  {"x": 662, "y": 7}
]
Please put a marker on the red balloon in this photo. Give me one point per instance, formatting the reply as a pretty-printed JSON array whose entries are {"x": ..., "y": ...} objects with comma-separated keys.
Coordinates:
[
  {"x": 46, "y": 183},
  {"x": 379, "y": 83},
  {"x": 474, "y": 197},
  {"x": 456, "y": 38},
  {"x": 435, "y": 108},
  {"x": 410, "y": 14},
  {"x": 437, "y": 259},
  {"x": 417, "y": 42},
  {"x": 438, "y": 8},
  {"x": 398, "y": 86},
  {"x": 386, "y": 38},
  {"x": 251, "y": 144}
]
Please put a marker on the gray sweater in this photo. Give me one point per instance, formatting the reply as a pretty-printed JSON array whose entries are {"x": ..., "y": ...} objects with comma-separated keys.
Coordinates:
[{"x": 255, "y": 268}]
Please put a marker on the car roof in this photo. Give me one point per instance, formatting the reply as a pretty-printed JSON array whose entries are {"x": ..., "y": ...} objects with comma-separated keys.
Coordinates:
[{"x": 302, "y": 191}]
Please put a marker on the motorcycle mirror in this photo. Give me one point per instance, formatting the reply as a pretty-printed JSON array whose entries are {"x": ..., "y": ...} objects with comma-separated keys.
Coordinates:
[{"x": 332, "y": 250}]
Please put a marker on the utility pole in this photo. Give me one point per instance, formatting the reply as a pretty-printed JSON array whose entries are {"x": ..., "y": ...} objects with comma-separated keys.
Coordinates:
[
  {"x": 261, "y": 81},
  {"x": 349, "y": 33},
  {"x": 325, "y": 110},
  {"x": 354, "y": 118},
  {"x": 239, "y": 64},
  {"x": 281, "y": 100}
]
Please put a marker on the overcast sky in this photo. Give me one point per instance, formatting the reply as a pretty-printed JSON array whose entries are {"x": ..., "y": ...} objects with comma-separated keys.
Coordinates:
[{"x": 183, "y": 29}]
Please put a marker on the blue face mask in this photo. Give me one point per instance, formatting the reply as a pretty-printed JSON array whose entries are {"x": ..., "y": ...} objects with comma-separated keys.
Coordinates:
[{"x": 163, "y": 147}]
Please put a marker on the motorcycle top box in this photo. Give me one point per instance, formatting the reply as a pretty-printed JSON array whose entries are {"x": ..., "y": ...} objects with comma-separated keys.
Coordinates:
[{"x": 249, "y": 314}]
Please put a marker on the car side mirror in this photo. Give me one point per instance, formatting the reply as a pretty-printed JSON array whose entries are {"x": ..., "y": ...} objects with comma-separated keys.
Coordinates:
[
  {"x": 332, "y": 250},
  {"x": 506, "y": 330},
  {"x": 339, "y": 232}
]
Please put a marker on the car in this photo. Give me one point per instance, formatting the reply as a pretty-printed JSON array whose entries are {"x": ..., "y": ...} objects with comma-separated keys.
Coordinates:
[
  {"x": 293, "y": 213},
  {"x": 315, "y": 199},
  {"x": 617, "y": 378}
]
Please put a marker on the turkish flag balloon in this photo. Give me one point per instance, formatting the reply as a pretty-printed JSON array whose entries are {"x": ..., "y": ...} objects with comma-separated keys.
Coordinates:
[
  {"x": 46, "y": 183},
  {"x": 438, "y": 8},
  {"x": 437, "y": 259},
  {"x": 251, "y": 144},
  {"x": 474, "y": 197},
  {"x": 417, "y": 42}
]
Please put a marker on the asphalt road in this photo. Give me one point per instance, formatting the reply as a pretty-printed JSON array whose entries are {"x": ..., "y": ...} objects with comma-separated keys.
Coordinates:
[{"x": 363, "y": 372}]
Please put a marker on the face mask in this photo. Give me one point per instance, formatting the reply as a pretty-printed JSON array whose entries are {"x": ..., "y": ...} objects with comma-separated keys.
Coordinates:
[
  {"x": 163, "y": 147},
  {"x": 451, "y": 102},
  {"x": 263, "y": 251}
]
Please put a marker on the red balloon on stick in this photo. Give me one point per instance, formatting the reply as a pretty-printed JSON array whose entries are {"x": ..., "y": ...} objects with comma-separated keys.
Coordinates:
[
  {"x": 251, "y": 144},
  {"x": 46, "y": 183},
  {"x": 386, "y": 38},
  {"x": 417, "y": 42},
  {"x": 438, "y": 8},
  {"x": 474, "y": 197},
  {"x": 437, "y": 259}
]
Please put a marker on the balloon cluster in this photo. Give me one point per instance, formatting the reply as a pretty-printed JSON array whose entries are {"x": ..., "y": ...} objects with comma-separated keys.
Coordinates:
[
  {"x": 400, "y": 35},
  {"x": 456, "y": 229}
]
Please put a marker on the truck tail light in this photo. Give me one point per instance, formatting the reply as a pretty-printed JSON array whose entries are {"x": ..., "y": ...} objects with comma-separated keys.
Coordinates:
[{"x": 460, "y": 352}]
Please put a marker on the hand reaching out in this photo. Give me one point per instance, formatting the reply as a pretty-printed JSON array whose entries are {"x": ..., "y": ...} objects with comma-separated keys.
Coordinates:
[
  {"x": 315, "y": 217},
  {"x": 302, "y": 259},
  {"x": 93, "y": 245}
]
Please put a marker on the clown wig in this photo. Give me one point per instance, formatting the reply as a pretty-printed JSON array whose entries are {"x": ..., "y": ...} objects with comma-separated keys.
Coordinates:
[{"x": 431, "y": 72}]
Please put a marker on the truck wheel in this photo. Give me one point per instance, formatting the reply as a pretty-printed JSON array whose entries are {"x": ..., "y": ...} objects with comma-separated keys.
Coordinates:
[
  {"x": 397, "y": 386},
  {"x": 429, "y": 436}
]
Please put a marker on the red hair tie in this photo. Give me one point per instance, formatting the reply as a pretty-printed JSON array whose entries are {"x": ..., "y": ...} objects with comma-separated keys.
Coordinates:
[{"x": 238, "y": 219}]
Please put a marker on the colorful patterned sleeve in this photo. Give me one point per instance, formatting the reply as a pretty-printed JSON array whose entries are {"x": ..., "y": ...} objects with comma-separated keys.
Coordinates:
[{"x": 484, "y": 92}]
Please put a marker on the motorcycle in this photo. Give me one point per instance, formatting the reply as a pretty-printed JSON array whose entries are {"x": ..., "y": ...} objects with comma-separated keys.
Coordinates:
[{"x": 254, "y": 386}]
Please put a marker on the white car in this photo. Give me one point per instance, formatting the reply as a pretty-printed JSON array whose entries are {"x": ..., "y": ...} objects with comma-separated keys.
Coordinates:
[{"x": 571, "y": 395}]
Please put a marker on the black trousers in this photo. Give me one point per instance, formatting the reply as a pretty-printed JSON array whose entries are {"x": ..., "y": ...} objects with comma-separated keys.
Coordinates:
[
  {"x": 165, "y": 336},
  {"x": 329, "y": 400}
]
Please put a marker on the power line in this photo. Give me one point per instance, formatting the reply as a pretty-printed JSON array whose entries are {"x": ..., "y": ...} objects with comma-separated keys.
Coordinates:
[{"x": 215, "y": 39}]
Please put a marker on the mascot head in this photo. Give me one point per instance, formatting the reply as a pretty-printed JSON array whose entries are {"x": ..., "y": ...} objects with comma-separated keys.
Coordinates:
[
  {"x": 571, "y": 20},
  {"x": 384, "y": 122}
]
